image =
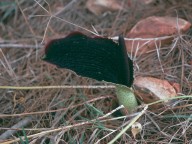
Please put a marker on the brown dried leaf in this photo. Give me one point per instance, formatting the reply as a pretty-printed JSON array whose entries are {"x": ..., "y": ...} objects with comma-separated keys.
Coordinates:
[
  {"x": 152, "y": 89},
  {"x": 98, "y": 7},
  {"x": 146, "y": 1},
  {"x": 153, "y": 27}
]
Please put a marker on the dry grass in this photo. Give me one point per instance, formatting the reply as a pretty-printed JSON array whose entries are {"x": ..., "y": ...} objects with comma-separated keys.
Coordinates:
[{"x": 72, "y": 114}]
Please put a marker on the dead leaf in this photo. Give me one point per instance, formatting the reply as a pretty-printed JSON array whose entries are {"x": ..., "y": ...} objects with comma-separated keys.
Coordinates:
[
  {"x": 146, "y": 1},
  {"x": 98, "y": 7},
  {"x": 150, "y": 89},
  {"x": 153, "y": 27}
]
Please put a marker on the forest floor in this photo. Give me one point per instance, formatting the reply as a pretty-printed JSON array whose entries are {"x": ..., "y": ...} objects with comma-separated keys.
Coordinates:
[{"x": 78, "y": 115}]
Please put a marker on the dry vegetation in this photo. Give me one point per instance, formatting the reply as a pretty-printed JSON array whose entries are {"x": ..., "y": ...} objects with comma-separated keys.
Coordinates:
[{"x": 25, "y": 24}]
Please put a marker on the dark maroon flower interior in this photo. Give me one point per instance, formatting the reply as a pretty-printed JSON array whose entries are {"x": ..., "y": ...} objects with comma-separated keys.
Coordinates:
[{"x": 97, "y": 58}]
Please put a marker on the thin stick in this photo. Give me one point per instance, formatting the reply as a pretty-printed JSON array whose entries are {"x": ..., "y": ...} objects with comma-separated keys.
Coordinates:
[
  {"x": 13, "y": 129},
  {"x": 10, "y": 45},
  {"x": 57, "y": 87}
]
